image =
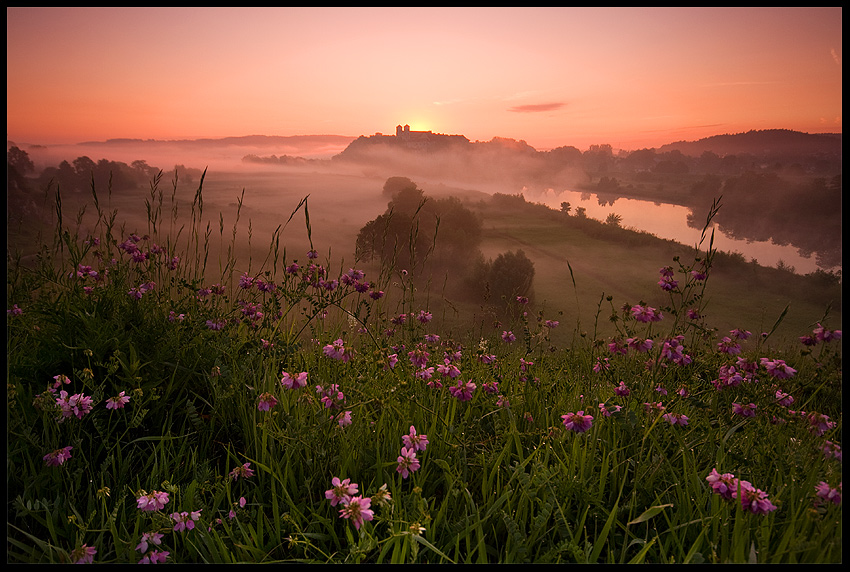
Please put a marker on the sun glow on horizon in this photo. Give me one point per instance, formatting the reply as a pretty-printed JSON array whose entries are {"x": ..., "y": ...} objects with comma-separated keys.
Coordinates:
[{"x": 516, "y": 73}]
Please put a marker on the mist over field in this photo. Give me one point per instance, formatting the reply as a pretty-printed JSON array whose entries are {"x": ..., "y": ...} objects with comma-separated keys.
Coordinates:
[{"x": 252, "y": 186}]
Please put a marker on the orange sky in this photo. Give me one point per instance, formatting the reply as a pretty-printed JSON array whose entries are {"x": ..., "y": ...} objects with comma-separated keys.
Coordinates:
[{"x": 633, "y": 78}]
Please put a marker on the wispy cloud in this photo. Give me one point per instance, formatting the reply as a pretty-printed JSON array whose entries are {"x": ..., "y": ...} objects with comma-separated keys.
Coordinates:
[
  {"x": 835, "y": 56},
  {"x": 734, "y": 83},
  {"x": 536, "y": 108},
  {"x": 447, "y": 102}
]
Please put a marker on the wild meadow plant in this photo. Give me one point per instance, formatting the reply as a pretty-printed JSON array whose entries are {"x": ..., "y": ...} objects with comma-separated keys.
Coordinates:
[{"x": 161, "y": 412}]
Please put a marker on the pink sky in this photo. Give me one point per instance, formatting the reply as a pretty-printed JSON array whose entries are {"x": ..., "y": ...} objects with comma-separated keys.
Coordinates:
[{"x": 631, "y": 77}]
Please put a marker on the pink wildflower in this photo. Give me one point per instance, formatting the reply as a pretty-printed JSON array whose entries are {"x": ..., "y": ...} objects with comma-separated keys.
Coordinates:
[
  {"x": 819, "y": 423},
  {"x": 337, "y": 350},
  {"x": 245, "y": 281},
  {"x": 724, "y": 485},
  {"x": 155, "y": 557},
  {"x": 578, "y": 422},
  {"x": 602, "y": 364},
  {"x": 75, "y": 405},
  {"x": 462, "y": 391},
  {"x": 267, "y": 401},
  {"x": 828, "y": 493},
  {"x": 244, "y": 471},
  {"x": 606, "y": 412},
  {"x": 622, "y": 390},
  {"x": 645, "y": 314},
  {"x": 185, "y": 520},
  {"x": 153, "y": 501},
  {"x": 57, "y": 457},
  {"x": 755, "y": 500},
  {"x": 341, "y": 491},
  {"x": 414, "y": 441},
  {"x": 290, "y": 381},
  {"x": 407, "y": 462},
  {"x": 117, "y": 402},
  {"x": 783, "y": 399},
  {"x": 778, "y": 368},
  {"x": 357, "y": 509},
  {"x": 332, "y": 397},
  {"x": 344, "y": 419},
  {"x": 149, "y": 537},
  {"x": 676, "y": 419},
  {"x": 83, "y": 555},
  {"x": 728, "y": 346},
  {"x": 822, "y": 334},
  {"x": 639, "y": 345},
  {"x": 448, "y": 369},
  {"x": 831, "y": 449},
  {"x": 491, "y": 387},
  {"x": 746, "y": 410}
]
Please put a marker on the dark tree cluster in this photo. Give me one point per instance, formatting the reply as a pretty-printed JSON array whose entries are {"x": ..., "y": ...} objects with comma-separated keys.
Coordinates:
[
  {"x": 426, "y": 235},
  {"x": 415, "y": 229}
]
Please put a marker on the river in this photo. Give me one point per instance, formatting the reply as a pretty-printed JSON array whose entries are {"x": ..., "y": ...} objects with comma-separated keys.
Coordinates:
[{"x": 671, "y": 222}]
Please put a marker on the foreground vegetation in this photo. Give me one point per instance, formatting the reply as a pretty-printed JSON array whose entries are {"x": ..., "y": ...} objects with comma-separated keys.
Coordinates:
[{"x": 291, "y": 411}]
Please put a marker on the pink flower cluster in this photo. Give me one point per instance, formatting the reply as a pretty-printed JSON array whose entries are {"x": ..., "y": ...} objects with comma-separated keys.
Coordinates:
[
  {"x": 75, "y": 405},
  {"x": 666, "y": 282},
  {"x": 778, "y": 368},
  {"x": 337, "y": 351},
  {"x": 149, "y": 502},
  {"x": 291, "y": 381},
  {"x": 462, "y": 391},
  {"x": 57, "y": 457},
  {"x": 578, "y": 422},
  {"x": 154, "y": 556},
  {"x": 355, "y": 508},
  {"x": 83, "y": 555},
  {"x": 676, "y": 419},
  {"x": 407, "y": 461},
  {"x": 674, "y": 351},
  {"x": 744, "y": 410},
  {"x": 820, "y": 335},
  {"x": 646, "y": 314},
  {"x": 243, "y": 471},
  {"x": 331, "y": 396},
  {"x": 827, "y": 493},
  {"x": 185, "y": 520},
  {"x": 117, "y": 402},
  {"x": 729, "y": 487},
  {"x": 267, "y": 401}
]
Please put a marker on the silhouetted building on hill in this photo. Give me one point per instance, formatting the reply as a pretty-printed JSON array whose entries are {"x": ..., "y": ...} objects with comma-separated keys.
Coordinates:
[
  {"x": 425, "y": 139},
  {"x": 406, "y": 133},
  {"x": 404, "y": 139}
]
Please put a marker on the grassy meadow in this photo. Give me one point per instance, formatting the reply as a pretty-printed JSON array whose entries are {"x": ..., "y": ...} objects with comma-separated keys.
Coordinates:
[{"x": 206, "y": 374}]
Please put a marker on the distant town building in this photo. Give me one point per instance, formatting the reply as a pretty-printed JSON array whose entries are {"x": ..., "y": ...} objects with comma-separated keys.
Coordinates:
[
  {"x": 404, "y": 138},
  {"x": 406, "y": 133}
]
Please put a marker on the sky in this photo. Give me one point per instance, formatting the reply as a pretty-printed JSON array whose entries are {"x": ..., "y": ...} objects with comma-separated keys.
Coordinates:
[{"x": 630, "y": 77}]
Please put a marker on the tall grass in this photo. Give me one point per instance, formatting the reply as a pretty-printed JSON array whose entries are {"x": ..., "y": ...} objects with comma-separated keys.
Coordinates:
[{"x": 210, "y": 359}]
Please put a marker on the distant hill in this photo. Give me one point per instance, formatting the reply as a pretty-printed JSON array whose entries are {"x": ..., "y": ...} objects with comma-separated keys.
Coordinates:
[
  {"x": 243, "y": 141},
  {"x": 761, "y": 143}
]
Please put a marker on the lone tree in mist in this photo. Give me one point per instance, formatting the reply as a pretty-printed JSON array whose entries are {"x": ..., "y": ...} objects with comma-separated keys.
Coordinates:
[
  {"x": 500, "y": 281},
  {"x": 511, "y": 275},
  {"x": 394, "y": 185},
  {"x": 415, "y": 228}
]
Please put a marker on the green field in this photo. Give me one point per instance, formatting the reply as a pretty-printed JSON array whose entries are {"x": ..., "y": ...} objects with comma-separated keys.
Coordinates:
[{"x": 153, "y": 413}]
